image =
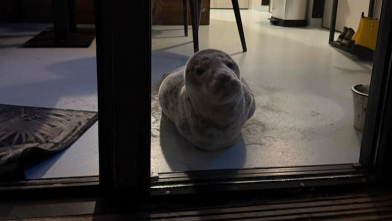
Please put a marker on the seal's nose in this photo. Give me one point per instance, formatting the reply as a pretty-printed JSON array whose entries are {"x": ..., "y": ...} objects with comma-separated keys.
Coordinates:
[
  {"x": 224, "y": 80},
  {"x": 224, "y": 77},
  {"x": 227, "y": 82}
]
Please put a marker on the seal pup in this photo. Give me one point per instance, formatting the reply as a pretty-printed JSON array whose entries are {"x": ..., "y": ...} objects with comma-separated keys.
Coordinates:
[{"x": 207, "y": 100}]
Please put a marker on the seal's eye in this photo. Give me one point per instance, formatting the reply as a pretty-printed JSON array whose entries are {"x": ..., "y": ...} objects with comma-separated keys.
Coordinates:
[
  {"x": 230, "y": 65},
  {"x": 199, "y": 71}
]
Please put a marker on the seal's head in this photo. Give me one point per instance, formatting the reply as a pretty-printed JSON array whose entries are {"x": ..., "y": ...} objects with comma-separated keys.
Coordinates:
[{"x": 212, "y": 75}]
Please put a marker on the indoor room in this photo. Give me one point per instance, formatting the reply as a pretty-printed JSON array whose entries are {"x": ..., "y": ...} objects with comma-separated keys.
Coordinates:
[
  {"x": 195, "y": 110},
  {"x": 306, "y": 110},
  {"x": 302, "y": 85}
]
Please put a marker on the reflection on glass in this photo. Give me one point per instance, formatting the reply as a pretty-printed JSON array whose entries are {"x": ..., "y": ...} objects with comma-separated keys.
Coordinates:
[{"x": 48, "y": 102}]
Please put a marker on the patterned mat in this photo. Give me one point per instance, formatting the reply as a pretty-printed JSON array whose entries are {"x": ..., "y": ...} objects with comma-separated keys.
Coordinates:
[{"x": 30, "y": 134}]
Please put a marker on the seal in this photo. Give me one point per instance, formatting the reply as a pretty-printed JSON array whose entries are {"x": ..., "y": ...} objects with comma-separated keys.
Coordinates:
[{"x": 207, "y": 100}]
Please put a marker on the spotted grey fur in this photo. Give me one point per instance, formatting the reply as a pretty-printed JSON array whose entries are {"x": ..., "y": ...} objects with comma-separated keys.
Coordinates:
[{"x": 207, "y": 100}]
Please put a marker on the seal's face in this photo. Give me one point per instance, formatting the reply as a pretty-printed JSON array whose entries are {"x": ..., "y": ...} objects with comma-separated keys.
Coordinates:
[{"x": 213, "y": 75}]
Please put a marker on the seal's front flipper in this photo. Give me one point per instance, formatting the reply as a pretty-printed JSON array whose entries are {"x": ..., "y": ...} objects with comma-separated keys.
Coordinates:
[{"x": 157, "y": 85}]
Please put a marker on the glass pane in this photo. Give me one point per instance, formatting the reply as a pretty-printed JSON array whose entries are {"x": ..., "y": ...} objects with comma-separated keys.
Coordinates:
[
  {"x": 48, "y": 87},
  {"x": 305, "y": 104}
]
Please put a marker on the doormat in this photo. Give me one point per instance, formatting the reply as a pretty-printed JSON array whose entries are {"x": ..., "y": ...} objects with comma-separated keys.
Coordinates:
[
  {"x": 29, "y": 135},
  {"x": 82, "y": 38}
]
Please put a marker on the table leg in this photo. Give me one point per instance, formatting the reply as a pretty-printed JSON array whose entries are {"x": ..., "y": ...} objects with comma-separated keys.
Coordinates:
[
  {"x": 60, "y": 19},
  {"x": 72, "y": 15}
]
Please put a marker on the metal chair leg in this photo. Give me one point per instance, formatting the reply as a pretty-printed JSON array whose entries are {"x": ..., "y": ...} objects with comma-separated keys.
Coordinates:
[
  {"x": 194, "y": 13},
  {"x": 185, "y": 11},
  {"x": 239, "y": 23}
]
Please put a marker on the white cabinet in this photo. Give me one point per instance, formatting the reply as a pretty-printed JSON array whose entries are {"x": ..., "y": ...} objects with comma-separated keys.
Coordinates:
[{"x": 290, "y": 13}]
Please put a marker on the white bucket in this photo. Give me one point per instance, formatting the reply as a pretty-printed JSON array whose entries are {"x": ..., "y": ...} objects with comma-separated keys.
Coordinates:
[{"x": 360, "y": 95}]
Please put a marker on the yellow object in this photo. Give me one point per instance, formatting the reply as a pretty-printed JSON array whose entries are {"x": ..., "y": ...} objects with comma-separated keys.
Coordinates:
[
  {"x": 366, "y": 34},
  {"x": 355, "y": 36}
]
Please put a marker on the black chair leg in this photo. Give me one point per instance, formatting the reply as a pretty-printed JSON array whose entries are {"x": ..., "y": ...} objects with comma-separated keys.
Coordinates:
[
  {"x": 185, "y": 10},
  {"x": 194, "y": 13},
  {"x": 239, "y": 23}
]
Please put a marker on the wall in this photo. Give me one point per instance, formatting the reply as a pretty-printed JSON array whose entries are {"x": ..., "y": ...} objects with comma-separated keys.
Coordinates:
[
  {"x": 170, "y": 12},
  {"x": 349, "y": 12},
  {"x": 256, "y": 5},
  {"x": 309, "y": 11},
  {"x": 377, "y": 10},
  {"x": 312, "y": 22}
]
